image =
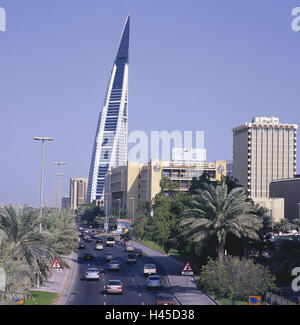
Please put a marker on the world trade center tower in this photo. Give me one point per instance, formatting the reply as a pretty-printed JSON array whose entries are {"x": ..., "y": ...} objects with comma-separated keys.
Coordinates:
[{"x": 110, "y": 146}]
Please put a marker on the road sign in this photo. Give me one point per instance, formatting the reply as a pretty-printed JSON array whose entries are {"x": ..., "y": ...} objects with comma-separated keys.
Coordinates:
[
  {"x": 254, "y": 300},
  {"x": 187, "y": 270},
  {"x": 56, "y": 265}
]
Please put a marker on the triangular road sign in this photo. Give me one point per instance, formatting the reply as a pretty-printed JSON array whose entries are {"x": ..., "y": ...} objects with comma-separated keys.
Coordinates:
[
  {"x": 187, "y": 270},
  {"x": 56, "y": 264}
]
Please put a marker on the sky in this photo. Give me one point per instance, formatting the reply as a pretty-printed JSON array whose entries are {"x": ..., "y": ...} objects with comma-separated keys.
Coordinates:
[{"x": 194, "y": 65}]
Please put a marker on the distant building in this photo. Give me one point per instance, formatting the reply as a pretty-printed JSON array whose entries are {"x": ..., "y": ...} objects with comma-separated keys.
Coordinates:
[
  {"x": 65, "y": 203},
  {"x": 263, "y": 151},
  {"x": 78, "y": 191},
  {"x": 229, "y": 166},
  {"x": 125, "y": 186},
  {"x": 289, "y": 190}
]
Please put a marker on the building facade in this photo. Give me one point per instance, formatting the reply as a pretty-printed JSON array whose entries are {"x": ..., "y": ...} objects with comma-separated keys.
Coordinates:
[
  {"x": 78, "y": 192},
  {"x": 126, "y": 185},
  {"x": 263, "y": 151},
  {"x": 289, "y": 190},
  {"x": 110, "y": 146}
]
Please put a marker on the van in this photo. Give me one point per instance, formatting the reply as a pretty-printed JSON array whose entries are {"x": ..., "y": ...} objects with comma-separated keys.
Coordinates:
[{"x": 110, "y": 241}]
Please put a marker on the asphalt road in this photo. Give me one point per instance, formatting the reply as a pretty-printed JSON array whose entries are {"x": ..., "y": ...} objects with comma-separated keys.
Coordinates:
[{"x": 135, "y": 292}]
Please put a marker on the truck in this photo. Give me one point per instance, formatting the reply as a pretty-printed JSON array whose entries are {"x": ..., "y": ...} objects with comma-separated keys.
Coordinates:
[{"x": 110, "y": 241}]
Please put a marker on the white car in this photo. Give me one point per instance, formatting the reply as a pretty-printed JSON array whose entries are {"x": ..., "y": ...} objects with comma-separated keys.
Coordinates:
[
  {"x": 114, "y": 286},
  {"x": 92, "y": 274},
  {"x": 114, "y": 265},
  {"x": 99, "y": 247},
  {"x": 129, "y": 248},
  {"x": 154, "y": 281},
  {"x": 149, "y": 269}
]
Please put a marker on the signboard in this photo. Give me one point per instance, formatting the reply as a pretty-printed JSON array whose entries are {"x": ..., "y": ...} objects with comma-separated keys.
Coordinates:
[
  {"x": 105, "y": 226},
  {"x": 56, "y": 264},
  {"x": 254, "y": 300},
  {"x": 187, "y": 270}
]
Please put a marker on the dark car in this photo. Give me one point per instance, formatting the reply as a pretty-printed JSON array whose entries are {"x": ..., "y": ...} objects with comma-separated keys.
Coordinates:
[
  {"x": 88, "y": 256},
  {"x": 87, "y": 239},
  {"x": 99, "y": 241},
  {"x": 81, "y": 246},
  {"x": 131, "y": 258},
  {"x": 138, "y": 252},
  {"x": 165, "y": 299}
]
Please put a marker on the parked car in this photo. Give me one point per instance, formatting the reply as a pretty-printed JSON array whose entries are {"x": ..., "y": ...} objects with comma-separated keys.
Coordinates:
[
  {"x": 114, "y": 265},
  {"x": 114, "y": 286},
  {"x": 92, "y": 273},
  {"x": 149, "y": 269},
  {"x": 165, "y": 299},
  {"x": 154, "y": 281},
  {"x": 131, "y": 258}
]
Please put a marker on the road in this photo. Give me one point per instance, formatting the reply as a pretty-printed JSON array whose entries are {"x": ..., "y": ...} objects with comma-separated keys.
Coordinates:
[{"x": 134, "y": 283}]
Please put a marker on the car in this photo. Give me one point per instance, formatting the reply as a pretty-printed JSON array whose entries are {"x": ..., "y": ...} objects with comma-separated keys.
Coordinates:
[
  {"x": 100, "y": 241},
  {"x": 81, "y": 246},
  {"x": 165, "y": 299},
  {"x": 88, "y": 256},
  {"x": 94, "y": 236},
  {"x": 114, "y": 265},
  {"x": 108, "y": 257},
  {"x": 129, "y": 248},
  {"x": 99, "y": 247},
  {"x": 138, "y": 252},
  {"x": 131, "y": 258},
  {"x": 87, "y": 239},
  {"x": 92, "y": 273},
  {"x": 149, "y": 269},
  {"x": 114, "y": 286},
  {"x": 154, "y": 281},
  {"x": 110, "y": 241},
  {"x": 80, "y": 228}
]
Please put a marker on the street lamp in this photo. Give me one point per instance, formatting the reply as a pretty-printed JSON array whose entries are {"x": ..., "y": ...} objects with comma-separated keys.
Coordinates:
[
  {"x": 59, "y": 174},
  {"x": 43, "y": 139},
  {"x": 106, "y": 204}
]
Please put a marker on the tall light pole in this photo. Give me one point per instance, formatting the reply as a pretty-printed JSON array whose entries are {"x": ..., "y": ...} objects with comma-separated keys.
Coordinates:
[
  {"x": 106, "y": 204},
  {"x": 59, "y": 174},
  {"x": 132, "y": 198},
  {"x": 43, "y": 139}
]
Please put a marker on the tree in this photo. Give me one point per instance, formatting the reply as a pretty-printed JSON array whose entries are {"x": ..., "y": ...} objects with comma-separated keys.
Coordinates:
[
  {"x": 284, "y": 226},
  {"x": 215, "y": 212},
  {"x": 235, "y": 278}
]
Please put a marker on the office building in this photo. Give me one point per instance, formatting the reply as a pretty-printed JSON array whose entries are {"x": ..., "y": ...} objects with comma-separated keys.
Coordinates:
[
  {"x": 263, "y": 151},
  {"x": 126, "y": 185},
  {"x": 110, "y": 146},
  {"x": 289, "y": 190},
  {"x": 66, "y": 203},
  {"x": 78, "y": 192}
]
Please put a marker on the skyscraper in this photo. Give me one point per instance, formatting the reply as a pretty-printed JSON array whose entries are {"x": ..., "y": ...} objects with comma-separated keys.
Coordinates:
[
  {"x": 263, "y": 151},
  {"x": 110, "y": 146},
  {"x": 78, "y": 189}
]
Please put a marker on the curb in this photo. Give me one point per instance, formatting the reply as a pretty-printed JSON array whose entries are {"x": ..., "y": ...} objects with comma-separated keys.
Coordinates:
[{"x": 57, "y": 299}]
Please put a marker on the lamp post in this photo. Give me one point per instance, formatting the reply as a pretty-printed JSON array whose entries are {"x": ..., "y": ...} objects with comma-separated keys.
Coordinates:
[
  {"x": 59, "y": 174},
  {"x": 43, "y": 139},
  {"x": 106, "y": 204}
]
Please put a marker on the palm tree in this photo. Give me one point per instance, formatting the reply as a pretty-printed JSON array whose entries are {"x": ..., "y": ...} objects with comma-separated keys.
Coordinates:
[
  {"x": 23, "y": 241},
  {"x": 284, "y": 226},
  {"x": 215, "y": 212},
  {"x": 296, "y": 223}
]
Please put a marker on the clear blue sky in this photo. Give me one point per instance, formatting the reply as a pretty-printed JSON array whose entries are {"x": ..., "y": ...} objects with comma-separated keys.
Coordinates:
[{"x": 194, "y": 65}]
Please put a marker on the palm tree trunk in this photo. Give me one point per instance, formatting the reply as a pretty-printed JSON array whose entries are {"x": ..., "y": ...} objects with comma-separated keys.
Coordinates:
[{"x": 221, "y": 251}]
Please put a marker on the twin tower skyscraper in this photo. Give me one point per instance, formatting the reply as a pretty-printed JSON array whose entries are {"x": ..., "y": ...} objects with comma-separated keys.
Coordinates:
[{"x": 111, "y": 140}]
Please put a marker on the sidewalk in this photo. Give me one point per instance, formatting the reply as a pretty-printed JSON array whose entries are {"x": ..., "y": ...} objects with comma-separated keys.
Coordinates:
[
  {"x": 183, "y": 288},
  {"x": 59, "y": 281}
]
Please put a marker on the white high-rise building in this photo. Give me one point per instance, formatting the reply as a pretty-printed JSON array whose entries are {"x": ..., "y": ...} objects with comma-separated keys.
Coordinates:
[
  {"x": 110, "y": 146},
  {"x": 263, "y": 151}
]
